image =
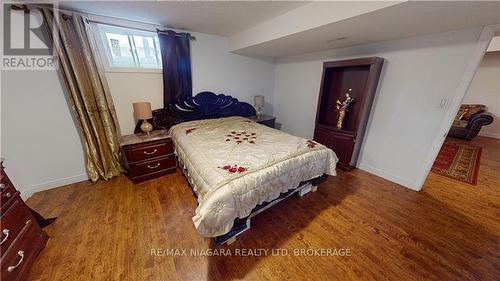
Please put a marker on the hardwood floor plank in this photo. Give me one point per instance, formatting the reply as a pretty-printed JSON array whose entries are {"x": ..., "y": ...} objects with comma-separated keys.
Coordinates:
[{"x": 448, "y": 231}]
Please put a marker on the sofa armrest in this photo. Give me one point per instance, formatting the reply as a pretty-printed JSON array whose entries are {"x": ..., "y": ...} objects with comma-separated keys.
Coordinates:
[{"x": 480, "y": 119}]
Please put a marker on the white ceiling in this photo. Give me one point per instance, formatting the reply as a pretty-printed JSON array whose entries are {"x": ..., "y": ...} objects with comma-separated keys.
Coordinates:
[
  {"x": 212, "y": 17},
  {"x": 402, "y": 20}
]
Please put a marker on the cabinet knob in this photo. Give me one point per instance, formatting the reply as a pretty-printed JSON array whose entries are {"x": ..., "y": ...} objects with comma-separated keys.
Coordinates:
[
  {"x": 154, "y": 167},
  {"x": 12, "y": 267},
  {"x": 5, "y": 232},
  {"x": 151, "y": 153}
]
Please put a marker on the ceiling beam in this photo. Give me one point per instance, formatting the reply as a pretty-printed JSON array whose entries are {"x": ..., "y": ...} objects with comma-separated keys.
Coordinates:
[{"x": 303, "y": 18}]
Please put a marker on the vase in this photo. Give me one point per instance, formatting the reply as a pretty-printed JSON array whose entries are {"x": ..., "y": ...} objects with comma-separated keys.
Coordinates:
[{"x": 341, "y": 118}]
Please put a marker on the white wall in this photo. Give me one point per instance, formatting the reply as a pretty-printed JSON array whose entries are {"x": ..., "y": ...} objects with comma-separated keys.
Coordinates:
[
  {"x": 40, "y": 142},
  {"x": 214, "y": 69},
  {"x": 405, "y": 117},
  {"x": 485, "y": 89}
]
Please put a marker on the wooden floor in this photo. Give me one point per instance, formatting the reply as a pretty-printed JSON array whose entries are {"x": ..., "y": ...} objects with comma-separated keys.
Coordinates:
[{"x": 448, "y": 231}]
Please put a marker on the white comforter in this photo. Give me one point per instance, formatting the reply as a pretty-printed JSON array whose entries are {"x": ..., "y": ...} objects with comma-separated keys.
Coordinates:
[{"x": 234, "y": 164}]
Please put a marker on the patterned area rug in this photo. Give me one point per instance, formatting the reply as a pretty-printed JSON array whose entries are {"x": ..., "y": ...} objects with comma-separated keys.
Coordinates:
[{"x": 458, "y": 161}]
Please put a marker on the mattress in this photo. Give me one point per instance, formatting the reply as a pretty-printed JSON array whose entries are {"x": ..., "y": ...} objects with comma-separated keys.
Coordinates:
[{"x": 233, "y": 164}]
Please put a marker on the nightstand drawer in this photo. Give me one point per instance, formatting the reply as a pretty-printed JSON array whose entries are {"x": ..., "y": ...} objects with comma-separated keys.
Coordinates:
[
  {"x": 148, "y": 156},
  {"x": 149, "y": 151},
  {"x": 269, "y": 123},
  {"x": 156, "y": 165},
  {"x": 265, "y": 120}
]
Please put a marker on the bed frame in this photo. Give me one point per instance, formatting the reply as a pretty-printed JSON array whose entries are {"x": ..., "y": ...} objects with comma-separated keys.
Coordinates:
[
  {"x": 207, "y": 105},
  {"x": 241, "y": 225}
]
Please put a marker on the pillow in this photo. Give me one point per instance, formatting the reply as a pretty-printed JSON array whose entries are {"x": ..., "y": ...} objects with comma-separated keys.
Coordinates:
[
  {"x": 472, "y": 109},
  {"x": 461, "y": 112}
]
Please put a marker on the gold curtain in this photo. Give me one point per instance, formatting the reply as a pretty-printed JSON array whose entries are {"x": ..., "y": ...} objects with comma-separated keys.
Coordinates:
[{"x": 88, "y": 93}]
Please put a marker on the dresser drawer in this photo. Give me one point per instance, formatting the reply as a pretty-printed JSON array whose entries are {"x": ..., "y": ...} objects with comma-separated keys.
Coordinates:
[
  {"x": 12, "y": 222},
  {"x": 7, "y": 191},
  {"x": 5, "y": 184},
  {"x": 153, "y": 166},
  {"x": 18, "y": 259},
  {"x": 7, "y": 197},
  {"x": 148, "y": 151}
]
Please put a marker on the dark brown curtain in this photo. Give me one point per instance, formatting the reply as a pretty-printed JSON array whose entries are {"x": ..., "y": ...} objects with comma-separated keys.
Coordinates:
[
  {"x": 176, "y": 60},
  {"x": 87, "y": 91}
]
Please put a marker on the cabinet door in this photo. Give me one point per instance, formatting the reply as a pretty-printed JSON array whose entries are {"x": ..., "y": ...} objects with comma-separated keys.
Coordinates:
[
  {"x": 325, "y": 137},
  {"x": 343, "y": 146}
]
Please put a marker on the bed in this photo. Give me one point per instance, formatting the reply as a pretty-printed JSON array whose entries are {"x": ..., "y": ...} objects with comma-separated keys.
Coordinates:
[{"x": 238, "y": 168}]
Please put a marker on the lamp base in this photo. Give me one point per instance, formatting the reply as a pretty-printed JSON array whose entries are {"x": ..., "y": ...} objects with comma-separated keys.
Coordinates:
[
  {"x": 146, "y": 127},
  {"x": 259, "y": 113}
]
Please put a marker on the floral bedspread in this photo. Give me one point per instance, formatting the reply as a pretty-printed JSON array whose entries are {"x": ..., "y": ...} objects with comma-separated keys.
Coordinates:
[{"x": 233, "y": 164}]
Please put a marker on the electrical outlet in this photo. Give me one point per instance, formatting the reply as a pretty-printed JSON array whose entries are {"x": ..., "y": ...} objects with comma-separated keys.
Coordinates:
[{"x": 445, "y": 102}]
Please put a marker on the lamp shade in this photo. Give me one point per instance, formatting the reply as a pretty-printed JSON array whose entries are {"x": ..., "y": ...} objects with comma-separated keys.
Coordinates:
[
  {"x": 142, "y": 110},
  {"x": 258, "y": 101}
]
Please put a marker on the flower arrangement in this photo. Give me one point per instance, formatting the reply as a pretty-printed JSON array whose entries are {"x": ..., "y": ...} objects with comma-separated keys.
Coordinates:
[
  {"x": 342, "y": 107},
  {"x": 345, "y": 103}
]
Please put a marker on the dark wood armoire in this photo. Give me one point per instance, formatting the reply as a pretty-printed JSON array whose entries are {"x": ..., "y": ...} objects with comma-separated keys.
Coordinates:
[{"x": 359, "y": 78}]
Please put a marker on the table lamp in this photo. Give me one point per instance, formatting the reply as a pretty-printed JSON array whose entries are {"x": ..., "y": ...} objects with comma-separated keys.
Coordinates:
[
  {"x": 259, "y": 104},
  {"x": 142, "y": 111}
]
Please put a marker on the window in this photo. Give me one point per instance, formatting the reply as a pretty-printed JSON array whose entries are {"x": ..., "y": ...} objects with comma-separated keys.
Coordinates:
[{"x": 127, "y": 48}]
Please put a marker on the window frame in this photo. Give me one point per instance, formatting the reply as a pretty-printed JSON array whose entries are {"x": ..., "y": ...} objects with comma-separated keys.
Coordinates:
[{"x": 105, "y": 51}]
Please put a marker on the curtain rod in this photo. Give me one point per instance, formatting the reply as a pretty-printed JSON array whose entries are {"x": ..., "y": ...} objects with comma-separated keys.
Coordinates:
[
  {"x": 22, "y": 8},
  {"x": 191, "y": 37},
  {"x": 27, "y": 10}
]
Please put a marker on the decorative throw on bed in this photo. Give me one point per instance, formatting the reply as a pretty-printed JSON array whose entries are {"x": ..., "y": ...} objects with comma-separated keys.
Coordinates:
[{"x": 233, "y": 164}]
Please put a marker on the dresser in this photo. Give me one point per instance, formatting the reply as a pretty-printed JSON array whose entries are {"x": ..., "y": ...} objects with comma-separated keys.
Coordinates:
[
  {"x": 21, "y": 236},
  {"x": 148, "y": 156},
  {"x": 267, "y": 120}
]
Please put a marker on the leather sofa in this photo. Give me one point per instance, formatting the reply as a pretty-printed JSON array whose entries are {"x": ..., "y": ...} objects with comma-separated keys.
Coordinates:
[{"x": 468, "y": 129}]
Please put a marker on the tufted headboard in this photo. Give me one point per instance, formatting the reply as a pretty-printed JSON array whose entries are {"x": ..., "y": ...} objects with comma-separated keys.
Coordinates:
[{"x": 205, "y": 105}]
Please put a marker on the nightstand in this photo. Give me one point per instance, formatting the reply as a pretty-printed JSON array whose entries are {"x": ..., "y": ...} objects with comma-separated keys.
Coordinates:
[
  {"x": 267, "y": 120},
  {"x": 148, "y": 156}
]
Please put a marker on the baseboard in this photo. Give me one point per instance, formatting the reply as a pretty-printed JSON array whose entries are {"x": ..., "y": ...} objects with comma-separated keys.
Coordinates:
[
  {"x": 28, "y": 192},
  {"x": 388, "y": 176},
  {"x": 490, "y": 135}
]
